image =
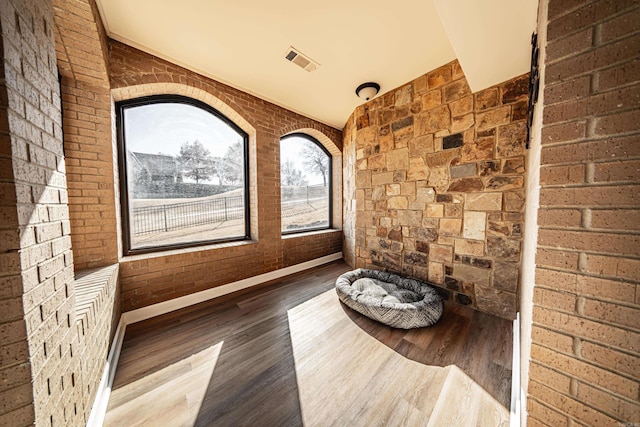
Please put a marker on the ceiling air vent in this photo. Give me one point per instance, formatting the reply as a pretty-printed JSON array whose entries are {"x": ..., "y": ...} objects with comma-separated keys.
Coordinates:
[{"x": 300, "y": 60}]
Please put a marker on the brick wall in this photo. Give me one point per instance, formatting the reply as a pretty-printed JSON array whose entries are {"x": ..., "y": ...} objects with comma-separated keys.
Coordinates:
[
  {"x": 586, "y": 312},
  {"x": 89, "y": 154},
  {"x": 16, "y": 397},
  {"x": 42, "y": 254},
  {"x": 434, "y": 186},
  {"x": 97, "y": 311},
  {"x": 51, "y": 359},
  {"x": 86, "y": 105},
  {"x": 305, "y": 247},
  {"x": 148, "y": 279}
]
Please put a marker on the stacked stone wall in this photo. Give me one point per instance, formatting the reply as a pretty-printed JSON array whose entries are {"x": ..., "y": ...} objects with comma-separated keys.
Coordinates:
[{"x": 434, "y": 186}]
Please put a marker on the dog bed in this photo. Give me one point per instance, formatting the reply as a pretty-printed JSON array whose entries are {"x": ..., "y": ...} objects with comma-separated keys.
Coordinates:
[{"x": 391, "y": 299}]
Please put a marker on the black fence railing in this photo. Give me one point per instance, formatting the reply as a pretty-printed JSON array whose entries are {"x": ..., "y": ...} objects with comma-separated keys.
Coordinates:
[
  {"x": 153, "y": 219},
  {"x": 299, "y": 200},
  {"x": 291, "y": 195},
  {"x": 161, "y": 218}
]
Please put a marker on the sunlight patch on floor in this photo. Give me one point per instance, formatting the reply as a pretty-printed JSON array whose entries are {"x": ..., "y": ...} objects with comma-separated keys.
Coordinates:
[
  {"x": 462, "y": 402},
  {"x": 347, "y": 377},
  {"x": 176, "y": 390}
]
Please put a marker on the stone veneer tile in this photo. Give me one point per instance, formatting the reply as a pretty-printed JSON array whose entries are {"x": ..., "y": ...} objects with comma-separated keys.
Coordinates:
[
  {"x": 452, "y": 141},
  {"x": 468, "y": 273},
  {"x": 511, "y": 140},
  {"x": 515, "y": 165},
  {"x": 454, "y": 211},
  {"x": 392, "y": 189},
  {"x": 496, "y": 301},
  {"x": 410, "y": 218},
  {"x": 464, "y": 185},
  {"x": 469, "y": 247},
  {"x": 440, "y": 253},
  {"x": 462, "y": 123},
  {"x": 505, "y": 276},
  {"x": 462, "y": 170},
  {"x": 421, "y": 145},
  {"x": 489, "y": 167},
  {"x": 408, "y": 188},
  {"x": 417, "y": 169},
  {"x": 382, "y": 178},
  {"x": 398, "y": 159},
  {"x": 450, "y": 227},
  {"x": 483, "y": 201},
  {"x": 436, "y": 272},
  {"x": 505, "y": 249},
  {"x": 462, "y": 106},
  {"x": 474, "y": 225},
  {"x": 505, "y": 182},
  {"x": 399, "y": 202},
  {"x": 513, "y": 201},
  {"x": 435, "y": 211},
  {"x": 480, "y": 149},
  {"x": 438, "y": 178}
]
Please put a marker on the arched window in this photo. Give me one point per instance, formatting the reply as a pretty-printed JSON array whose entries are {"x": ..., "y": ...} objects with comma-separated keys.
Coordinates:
[
  {"x": 183, "y": 174},
  {"x": 305, "y": 184}
]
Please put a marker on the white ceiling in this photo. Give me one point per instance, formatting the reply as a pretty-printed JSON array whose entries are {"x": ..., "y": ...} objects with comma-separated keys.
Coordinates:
[{"x": 243, "y": 43}]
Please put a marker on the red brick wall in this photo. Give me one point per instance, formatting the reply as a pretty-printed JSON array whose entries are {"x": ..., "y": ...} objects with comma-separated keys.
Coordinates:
[
  {"x": 89, "y": 155},
  {"x": 148, "y": 279},
  {"x": 420, "y": 204},
  {"x": 586, "y": 315},
  {"x": 305, "y": 247}
]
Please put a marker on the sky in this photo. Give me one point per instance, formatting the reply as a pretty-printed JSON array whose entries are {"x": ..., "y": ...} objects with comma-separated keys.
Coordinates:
[
  {"x": 162, "y": 128},
  {"x": 290, "y": 149}
]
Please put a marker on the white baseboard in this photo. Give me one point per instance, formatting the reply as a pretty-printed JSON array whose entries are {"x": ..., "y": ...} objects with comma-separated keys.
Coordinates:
[
  {"x": 515, "y": 375},
  {"x": 154, "y": 310},
  {"x": 99, "y": 408}
]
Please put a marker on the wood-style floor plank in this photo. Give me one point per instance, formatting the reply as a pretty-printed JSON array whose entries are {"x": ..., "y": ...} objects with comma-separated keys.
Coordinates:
[{"x": 291, "y": 354}]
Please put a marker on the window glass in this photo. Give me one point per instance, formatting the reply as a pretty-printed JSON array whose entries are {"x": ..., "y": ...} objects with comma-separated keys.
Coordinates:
[
  {"x": 184, "y": 180},
  {"x": 305, "y": 184}
]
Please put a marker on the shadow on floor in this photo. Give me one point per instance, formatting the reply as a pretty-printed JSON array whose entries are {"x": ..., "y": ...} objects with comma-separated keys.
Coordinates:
[
  {"x": 254, "y": 379},
  {"x": 231, "y": 361},
  {"x": 477, "y": 343}
]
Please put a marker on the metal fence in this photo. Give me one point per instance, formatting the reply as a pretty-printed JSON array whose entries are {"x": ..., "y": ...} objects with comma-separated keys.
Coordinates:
[
  {"x": 153, "y": 219},
  {"x": 298, "y": 200},
  {"x": 303, "y": 194}
]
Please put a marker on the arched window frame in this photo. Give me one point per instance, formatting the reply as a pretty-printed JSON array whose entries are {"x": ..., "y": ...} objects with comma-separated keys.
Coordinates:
[
  {"x": 120, "y": 108},
  {"x": 329, "y": 184}
]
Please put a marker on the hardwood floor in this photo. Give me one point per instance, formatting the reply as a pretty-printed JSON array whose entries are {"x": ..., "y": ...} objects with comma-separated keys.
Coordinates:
[{"x": 291, "y": 354}]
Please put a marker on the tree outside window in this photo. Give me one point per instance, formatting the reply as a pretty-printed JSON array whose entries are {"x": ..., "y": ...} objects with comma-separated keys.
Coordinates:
[
  {"x": 305, "y": 184},
  {"x": 184, "y": 179}
]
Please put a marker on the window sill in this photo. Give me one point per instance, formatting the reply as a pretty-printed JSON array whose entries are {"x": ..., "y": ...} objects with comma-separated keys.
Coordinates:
[
  {"x": 182, "y": 251},
  {"x": 93, "y": 287},
  {"x": 311, "y": 233}
]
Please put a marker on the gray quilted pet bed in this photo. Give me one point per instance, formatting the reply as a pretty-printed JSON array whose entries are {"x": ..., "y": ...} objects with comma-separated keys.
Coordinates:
[{"x": 389, "y": 298}]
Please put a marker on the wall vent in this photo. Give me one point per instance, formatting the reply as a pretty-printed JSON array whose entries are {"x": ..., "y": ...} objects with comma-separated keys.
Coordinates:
[{"x": 300, "y": 60}]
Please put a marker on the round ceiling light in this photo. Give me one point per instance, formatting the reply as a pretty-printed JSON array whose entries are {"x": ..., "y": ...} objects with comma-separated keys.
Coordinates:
[{"x": 367, "y": 90}]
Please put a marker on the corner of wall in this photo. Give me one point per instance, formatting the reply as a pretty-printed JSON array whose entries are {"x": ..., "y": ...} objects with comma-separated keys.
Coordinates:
[{"x": 530, "y": 241}]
